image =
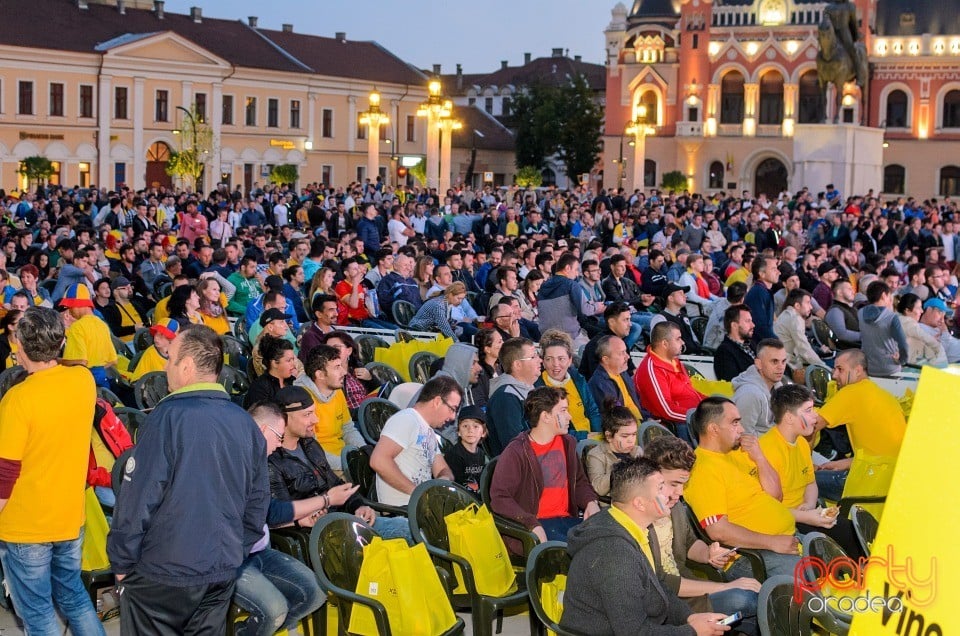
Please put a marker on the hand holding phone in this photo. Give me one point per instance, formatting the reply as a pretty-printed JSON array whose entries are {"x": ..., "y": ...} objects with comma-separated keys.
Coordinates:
[{"x": 731, "y": 619}]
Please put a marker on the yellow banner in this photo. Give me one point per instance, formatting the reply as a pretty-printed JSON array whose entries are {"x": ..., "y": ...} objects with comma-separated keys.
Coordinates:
[{"x": 913, "y": 576}]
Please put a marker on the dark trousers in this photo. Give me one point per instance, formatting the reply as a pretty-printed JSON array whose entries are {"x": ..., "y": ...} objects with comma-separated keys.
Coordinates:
[
  {"x": 843, "y": 533},
  {"x": 147, "y": 607}
]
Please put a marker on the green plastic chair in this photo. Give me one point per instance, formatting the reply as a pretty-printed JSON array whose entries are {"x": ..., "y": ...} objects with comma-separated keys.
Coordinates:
[
  {"x": 367, "y": 346},
  {"x": 817, "y": 379},
  {"x": 430, "y": 502},
  {"x": 150, "y": 389},
  {"x": 372, "y": 415},
  {"x": 142, "y": 339},
  {"x": 820, "y": 546},
  {"x": 132, "y": 418},
  {"x": 384, "y": 373},
  {"x": 777, "y": 612},
  {"x": 403, "y": 312},
  {"x": 110, "y": 396},
  {"x": 235, "y": 382},
  {"x": 356, "y": 470},
  {"x": 235, "y": 350},
  {"x": 545, "y": 563},
  {"x": 420, "y": 366},
  {"x": 336, "y": 555},
  {"x": 508, "y": 527},
  {"x": 651, "y": 430},
  {"x": 11, "y": 377},
  {"x": 756, "y": 561},
  {"x": 866, "y": 526}
]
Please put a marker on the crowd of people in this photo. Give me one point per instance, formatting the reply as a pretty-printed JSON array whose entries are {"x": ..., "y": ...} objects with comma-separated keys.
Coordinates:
[{"x": 569, "y": 312}]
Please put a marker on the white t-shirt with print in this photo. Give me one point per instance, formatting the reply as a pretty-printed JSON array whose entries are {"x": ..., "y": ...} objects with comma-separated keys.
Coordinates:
[{"x": 419, "y": 442}]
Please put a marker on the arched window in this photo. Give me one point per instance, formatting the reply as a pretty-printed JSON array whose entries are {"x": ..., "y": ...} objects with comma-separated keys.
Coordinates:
[
  {"x": 894, "y": 179},
  {"x": 549, "y": 177},
  {"x": 950, "y": 181},
  {"x": 649, "y": 104},
  {"x": 897, "y": 115},
  {"x": 731, "y": 98},
  {"x": 810, "y": 109},
  {"x": 649, "y": 173},
  {"x": 771, "y": 98},
  {"x": 716, "y": 176},
  {"x": 951, "y": 109}
]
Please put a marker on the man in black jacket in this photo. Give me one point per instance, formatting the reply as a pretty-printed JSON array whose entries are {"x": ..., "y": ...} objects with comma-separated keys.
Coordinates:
[
  {"x": 735, "y": 354},
  {"x": 193, "y": 500},
  {"x": 299, "y": 468}
]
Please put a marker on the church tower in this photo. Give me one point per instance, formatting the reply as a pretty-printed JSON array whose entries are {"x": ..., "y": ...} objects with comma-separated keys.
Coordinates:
[{"x": 694, "y": 72}]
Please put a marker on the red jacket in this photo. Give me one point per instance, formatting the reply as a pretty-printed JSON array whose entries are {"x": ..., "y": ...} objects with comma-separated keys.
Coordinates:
[{"x": 665, "y": 392}]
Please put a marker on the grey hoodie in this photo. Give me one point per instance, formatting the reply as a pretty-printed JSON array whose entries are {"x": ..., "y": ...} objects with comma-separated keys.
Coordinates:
[
  {"x": 752, "y": 397},
  {"x": 351, "y": 436},
  {"x": 457, "y": 364},
  {"x": 882, "y": 336}
]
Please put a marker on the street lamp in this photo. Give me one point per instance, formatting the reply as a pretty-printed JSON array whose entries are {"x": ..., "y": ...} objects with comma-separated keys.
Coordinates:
[
  {"x": 639, "y": 129},
  {"x": 433, "y": 109},
  {"x": 447, "y": 125},
  {"x": 373, "y": 118}
]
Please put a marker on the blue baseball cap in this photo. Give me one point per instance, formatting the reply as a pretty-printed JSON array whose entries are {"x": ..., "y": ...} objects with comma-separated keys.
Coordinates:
[{"x": 936, "y": 303}]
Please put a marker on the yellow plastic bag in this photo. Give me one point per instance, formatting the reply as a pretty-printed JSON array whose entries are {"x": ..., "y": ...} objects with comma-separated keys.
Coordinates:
[
  {"x": 473, "y": 535},
  {"x": 405, "y": 581},
  {"x": 712, "y": 387},
  {"x": 869, "y": 476},
  {"x": 93, "y": 553},
  {"x": 399, "y": 354},
  {"x": 551, "y": 597}
]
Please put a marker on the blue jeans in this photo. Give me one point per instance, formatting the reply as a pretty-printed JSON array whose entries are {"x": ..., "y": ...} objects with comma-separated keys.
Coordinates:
[
  {"x": 393, "y": 528},
  {"x": 277, "y": 591},
  {"x": 556, "y": 528},
  {"x": 775, "y": 563},
  {"x": 376, "y": 323},
  {"x": 40, "y": 575},
  {"x": 830, "y": 483},
  {"x": 636, "y": 332},
  {"x": 737, "y": 600}
]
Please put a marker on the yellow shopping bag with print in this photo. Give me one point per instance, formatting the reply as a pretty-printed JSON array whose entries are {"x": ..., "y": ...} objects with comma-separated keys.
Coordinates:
[
  {"x": 473, "y": 535},
  {"x": 551, "y": 597},
  {"x": 870, "y": 476},
  {"x": 93, "y": 551},
  {"x": 405, "y": 581}
]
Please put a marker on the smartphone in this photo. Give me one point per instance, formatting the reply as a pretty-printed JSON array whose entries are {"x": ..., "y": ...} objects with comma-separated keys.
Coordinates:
[
  {"x": 723, "y": 554},
  {"x": 730, "y": 620}
]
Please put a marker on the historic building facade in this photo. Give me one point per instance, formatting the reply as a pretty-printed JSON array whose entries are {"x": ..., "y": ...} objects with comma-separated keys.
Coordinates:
[
  {"x": 102, "y": 89},
  {"x": 715, "y": 89}
]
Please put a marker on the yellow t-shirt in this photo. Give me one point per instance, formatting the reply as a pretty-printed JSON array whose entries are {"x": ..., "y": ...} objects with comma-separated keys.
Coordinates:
[
  {"x": 220, "y": 324},
  {"x": 627, "y": 399},
  {"x": 160, "y": 312},
  {"x": 793, "y": 462},
  {"x": 89, "y": 339},
  {"x": 721, "y": 485},
  {"x": 128, "y": 318},
  {"x": 331, "y": 416},
  {"x": 51, "y": 439},
  {"x": 873, "y": 417},
  {"x": 578, "y": 413},
  {"x": 513, "y": 229},
  {"x": 151, "y": 360}
]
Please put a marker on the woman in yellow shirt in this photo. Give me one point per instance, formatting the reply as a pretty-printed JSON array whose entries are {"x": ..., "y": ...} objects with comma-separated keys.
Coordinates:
[
  {"x": 557, "y": 348},
  {"x": 8, "y": 341},
  {"x": 213, "y": 306}
]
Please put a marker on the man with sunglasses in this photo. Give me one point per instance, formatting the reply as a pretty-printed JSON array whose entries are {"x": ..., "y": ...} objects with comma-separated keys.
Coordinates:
[{"x": 408, "y": 451}]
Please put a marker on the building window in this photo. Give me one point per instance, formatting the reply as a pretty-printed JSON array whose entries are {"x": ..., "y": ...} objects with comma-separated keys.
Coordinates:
[
  {"x": 361, "y": 130},
  {"x": 294, "y": 113},
  {"x": 120, "y": 102},
  {"x": 810, "y": 104},
  {"x": 951, "y": 109},
  {"x": 894, "y": 179},
  {"x": 273, "y": 113},
  {"x": 651, "y": 104},
  {"x": 696, "y": 41},
  {"x": 731, "y": 98},
  {"x": 488, "y": 105},
  {"x": 200, "y": 107},
  {"x": 56, "y": 100},
  {"x": 411, "y": 127},
  {"x": 896, "y": 110},
  {"x": 771, "y": 99},
  {"x": 162, "y": 112},
  {"x": 227, "y": 117},
  {"x": 950, "y": 181},
  {"x": 55, "y": 175},
  {"x": 361, "y": 173},
  {"x": 326, "y": 174},
  {"x": 649, "y": 173},
  {"x": 250, "y": 116},
  {"x": 84, "y": 168},
  {"x": 471, "y": 101},
  {"x": 716, "y": 176},
  {"x": 507, "y": 106},
  {"x": 25, "y": 98},
  {"x": 326, "y": 124},
  {"x": 86, "y": 100}
]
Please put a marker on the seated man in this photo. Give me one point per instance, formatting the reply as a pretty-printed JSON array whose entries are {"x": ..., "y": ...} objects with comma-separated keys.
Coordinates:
[
  {"x": 673, "y": 543},
  {"x": 713, "y": 334},
  {"x": 612, "y": 587},
  {"x": 788, "y": 452},
  {"x": 322, "y": 377},
  {"x": 735, "y": 354},
  {"x": 299, "y": 468},
  {"x": 610, "y": 384},
  {"x": 661, "y": 379},
  {"x": 873, "y": 418},
  {"x": 521, "y": 368},
  {"x": 790, "y": 327},
  {"x": 325, "y": 312},
  {"x": 675, "y": 300},
  {"x": 751, "y": 389},
  {"x": 617, "y": 322},
  {"x": 408, "y": 452},
  {"x": 539, "y": 481},
  {"x": 729, "y": 491},
  {"x": 842, "y": 316}
]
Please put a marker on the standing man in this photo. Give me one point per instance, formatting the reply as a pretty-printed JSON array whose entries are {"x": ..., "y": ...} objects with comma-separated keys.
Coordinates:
[
  {"x": 760, "y": 297},
  {"x": 199, "y": 452},
  {"x": 881, "y": 334},
  {"x": 44, "y": 450}
]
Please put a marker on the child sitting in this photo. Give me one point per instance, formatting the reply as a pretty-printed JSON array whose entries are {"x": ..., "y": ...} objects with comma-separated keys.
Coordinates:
[
  {"x": 154, "y": 358},
  {"x": 467, "y": 459}
]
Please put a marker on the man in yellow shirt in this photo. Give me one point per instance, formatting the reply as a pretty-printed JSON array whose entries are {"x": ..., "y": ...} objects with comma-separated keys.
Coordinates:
[
  {"x": 323, "y": 379},
  {"x": 789, "y": 454},
  {"x": 88, "y": 338},
  {"x": 44, "y": 453},
  {"x": 729, "y": 491}
]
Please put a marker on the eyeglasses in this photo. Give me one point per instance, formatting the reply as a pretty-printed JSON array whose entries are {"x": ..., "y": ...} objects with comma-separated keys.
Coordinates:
[
  {"x": 535, "y": 356},
  {"x": 279, "y": 435},
  {"x": 453, "y": 409}
]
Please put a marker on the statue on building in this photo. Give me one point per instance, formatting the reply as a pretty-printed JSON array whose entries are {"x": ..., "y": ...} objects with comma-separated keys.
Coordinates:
[{"x": 843, "y": 55}]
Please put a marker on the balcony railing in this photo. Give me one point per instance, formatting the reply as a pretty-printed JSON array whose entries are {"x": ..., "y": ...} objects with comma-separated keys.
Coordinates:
[
  {"x": 730, "y": 130},
  {"x": 689, "y": 129}
]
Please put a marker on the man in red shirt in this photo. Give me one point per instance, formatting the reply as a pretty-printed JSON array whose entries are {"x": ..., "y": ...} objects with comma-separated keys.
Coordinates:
[
  {"x": 661, "y": 380},
  {"x": 539, "y": 481},
  {"x": 352, "y": 292}
]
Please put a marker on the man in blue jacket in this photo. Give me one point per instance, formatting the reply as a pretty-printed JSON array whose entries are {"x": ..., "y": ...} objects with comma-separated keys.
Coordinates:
[
  {"x": 760, "y": 297},
  {"x": 368, "y": 231},
  {"x": 192, "y": 502}
]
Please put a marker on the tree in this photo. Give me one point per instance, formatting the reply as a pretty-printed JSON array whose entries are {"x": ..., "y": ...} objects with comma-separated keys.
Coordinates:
[
  {"x": 196, "y": 142},
  {"x": 558, "y": 120},
  {"x": 419, "y": 172},
  {"x": 529, "y": 176},
  {"x": 285, "y": 173},
  {"x": 674, "y": 181},
  {"x": 36, "y": 169}
]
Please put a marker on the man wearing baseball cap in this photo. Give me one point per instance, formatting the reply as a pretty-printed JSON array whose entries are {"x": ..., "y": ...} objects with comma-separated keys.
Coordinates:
[
  {"x": 121, "y": 316},
  {"x": 674, "y": 301},
  {"x": 88, "y": 338},
  {"x": 828, "y": 273},
  {"x": 154, "y": 358}
]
